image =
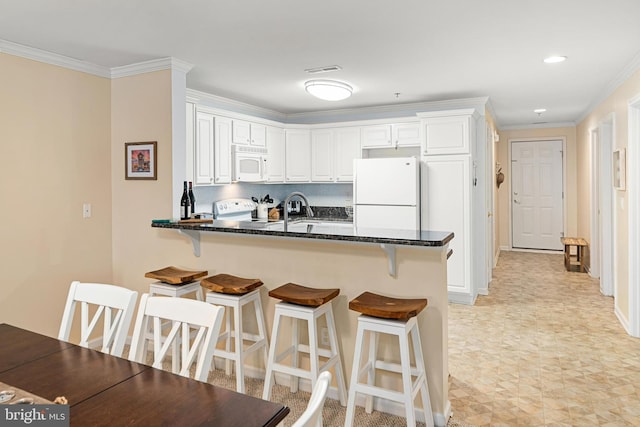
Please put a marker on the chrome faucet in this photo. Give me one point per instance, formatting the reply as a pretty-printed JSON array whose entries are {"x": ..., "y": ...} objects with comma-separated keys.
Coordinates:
[{"x": 286, "y": 205}]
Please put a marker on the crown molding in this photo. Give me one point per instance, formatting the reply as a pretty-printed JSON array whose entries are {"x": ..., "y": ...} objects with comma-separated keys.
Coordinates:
[
  {"x": 549, "y": 125},
  {"x": 623, "y": 76},
  {"x": 215, "y": 101},
  {"x": 53, "y": 58},
  {"x": 387, "y": 111},
  {"x": 150, "y": 66}
]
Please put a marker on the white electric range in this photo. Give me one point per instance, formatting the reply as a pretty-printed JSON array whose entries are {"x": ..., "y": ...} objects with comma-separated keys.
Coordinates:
[{"x": 233, "y": 209}]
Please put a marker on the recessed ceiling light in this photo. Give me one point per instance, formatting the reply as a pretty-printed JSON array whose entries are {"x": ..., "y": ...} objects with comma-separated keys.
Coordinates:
[
  {"x": 329, "y": 90},
  {"x": 555, "y": 59},
  {"x": 539, "y": 110}
]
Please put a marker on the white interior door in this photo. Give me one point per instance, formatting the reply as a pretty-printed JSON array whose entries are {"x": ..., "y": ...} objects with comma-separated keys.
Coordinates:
[{"x": 536, "y": 194}]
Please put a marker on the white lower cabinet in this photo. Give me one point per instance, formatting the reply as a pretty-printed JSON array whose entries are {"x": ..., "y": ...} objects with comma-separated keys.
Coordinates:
[
  {"x": 297, "y": 155},
  {"x": 446, "y": 205},
  {"x": 275, "y": 156}
]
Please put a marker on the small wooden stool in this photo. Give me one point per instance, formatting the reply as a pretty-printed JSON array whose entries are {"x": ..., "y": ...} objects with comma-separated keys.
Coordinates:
[
  {"x": 302, "y": 303},
  {"x": 234, "y": 293},
  {"x": 396, "y": 317},
  {"x": 174, "y": 282},
  {"x": 580, "y": 245}
]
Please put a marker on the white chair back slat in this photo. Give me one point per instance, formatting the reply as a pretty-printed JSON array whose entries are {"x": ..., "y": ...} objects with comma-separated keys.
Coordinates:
[
  {"x": 106, "y": 299},
  {"x": 312, "y": 416},
  {"x": 184, "y": 315}
]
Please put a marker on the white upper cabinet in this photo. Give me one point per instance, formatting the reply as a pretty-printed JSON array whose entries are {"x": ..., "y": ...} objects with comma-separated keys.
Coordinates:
[
  {"x": 297, "y": 155},
  {"x": 247, "y": 133},
  {"x": 322, "y": 155},
  {"x": 346, "y": 149},
  {"x": 203, "y": 149},
  {"x": 447, "y": 132},
  {"x": 391, "y": 135},
  {"x": 222, "y": 150},
  {"x": 275, "y": 156}
]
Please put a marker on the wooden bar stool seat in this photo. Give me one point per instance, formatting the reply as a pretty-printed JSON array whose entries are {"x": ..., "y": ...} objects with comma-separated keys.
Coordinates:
[
  {"x": 386, "y": 307},
  {"x": 397, "y": 317},
  {"x": 302, "y": 295},
  {"x": 234, "y": 293},
  {"x": 300, "y": 303},
  {"x": 228, "y": 284}
]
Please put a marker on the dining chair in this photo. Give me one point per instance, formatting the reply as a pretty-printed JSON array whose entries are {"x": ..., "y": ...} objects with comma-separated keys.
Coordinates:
[
  {"x": 184, "y": 314},
  {"x": 312, "y": 416},
  {"x": 113, "y": 304}
]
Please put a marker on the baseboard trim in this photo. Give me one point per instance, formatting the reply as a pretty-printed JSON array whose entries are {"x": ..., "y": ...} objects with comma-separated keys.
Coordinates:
[
  {"x": 461, "y": 298},
  {"x": 623, "y": 320}
]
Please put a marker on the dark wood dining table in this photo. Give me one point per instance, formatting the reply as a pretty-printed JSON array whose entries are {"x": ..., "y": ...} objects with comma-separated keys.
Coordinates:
[{"x": 105, "y": 390}]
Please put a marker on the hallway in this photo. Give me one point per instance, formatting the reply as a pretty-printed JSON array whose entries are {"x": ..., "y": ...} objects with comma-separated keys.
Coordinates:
[{"x": 544, "y": 348}]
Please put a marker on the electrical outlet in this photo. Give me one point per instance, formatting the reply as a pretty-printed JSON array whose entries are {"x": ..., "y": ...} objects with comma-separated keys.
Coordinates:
[
  {"x": 86, "y": 210},
  {"x": 324, "y": 337}
]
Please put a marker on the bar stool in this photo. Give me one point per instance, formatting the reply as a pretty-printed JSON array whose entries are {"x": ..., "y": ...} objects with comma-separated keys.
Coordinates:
[
  {"x": 396, "y": 317},
  {"x": 174, "y": 282},
  {"x": 303, "y": 303},
  {"x": 234, "y": 293}
]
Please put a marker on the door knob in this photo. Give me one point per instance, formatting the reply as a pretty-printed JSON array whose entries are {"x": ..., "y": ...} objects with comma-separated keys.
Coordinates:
[{"x": 517, "y": 202}]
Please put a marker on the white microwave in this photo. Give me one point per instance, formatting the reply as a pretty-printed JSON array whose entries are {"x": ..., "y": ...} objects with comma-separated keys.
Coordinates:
[{"x": 249, "y": 163}]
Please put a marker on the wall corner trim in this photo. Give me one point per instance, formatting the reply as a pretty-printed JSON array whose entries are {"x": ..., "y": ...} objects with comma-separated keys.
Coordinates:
[{"x": 150, "y": 66}]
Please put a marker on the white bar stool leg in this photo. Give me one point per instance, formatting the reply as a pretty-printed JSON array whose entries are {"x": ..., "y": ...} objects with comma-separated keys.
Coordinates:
[
  {"x": 335, "y": 350},
  {"x": 269, "y": 376},
  {"x": 351, "y": 402}
]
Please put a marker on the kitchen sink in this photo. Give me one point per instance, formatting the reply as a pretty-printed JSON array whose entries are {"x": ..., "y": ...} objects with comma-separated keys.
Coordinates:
[{"x": 311, "y": 226}]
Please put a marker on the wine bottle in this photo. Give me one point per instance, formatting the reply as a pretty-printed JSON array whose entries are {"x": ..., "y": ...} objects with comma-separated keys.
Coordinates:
[
  {"x": 185, "y": 203},
  {"x": 192, "y": 199}
]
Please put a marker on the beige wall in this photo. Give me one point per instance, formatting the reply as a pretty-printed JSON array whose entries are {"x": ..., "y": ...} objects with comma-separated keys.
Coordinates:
[
  {"x": 141, "y": 111},
  {"x": 55, "y": 137},
  {"x": 616, "y": 103},
  {"x": 571, "y": 195}
]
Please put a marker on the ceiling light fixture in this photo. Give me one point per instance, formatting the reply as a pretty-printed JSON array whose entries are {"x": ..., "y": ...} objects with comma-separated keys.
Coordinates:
[
  {"x": 540, "y": 110},
  {"x": 329, "y": 90},
  {"x": 555, "y": 59}
]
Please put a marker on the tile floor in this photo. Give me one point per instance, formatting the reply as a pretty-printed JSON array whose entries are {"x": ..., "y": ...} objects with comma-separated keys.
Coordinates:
[{"x": 543, "y": 349}]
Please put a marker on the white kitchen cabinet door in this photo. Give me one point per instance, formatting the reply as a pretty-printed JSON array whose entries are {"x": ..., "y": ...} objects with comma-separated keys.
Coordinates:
[
  {"x": 376, "y": 136},
  {"x": 446, "y": 206},
  {"x": 222, "y": 150},
  {"x": 347, "y": 148},
  {"x": 203, "y": 152},
  {"x": 297, "y": 155},
  {"x": 258, "y": 135},
  {"x": 322, "y": 155},
  {"x": 241, "y": 132},
  {"x": 406, "y": 134},
  {"x": 447, "y": 135},
  {"x": 275, "y": 156}
]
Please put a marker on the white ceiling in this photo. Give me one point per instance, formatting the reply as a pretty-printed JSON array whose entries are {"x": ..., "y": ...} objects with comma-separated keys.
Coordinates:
[{"x": 256, "y": 51}]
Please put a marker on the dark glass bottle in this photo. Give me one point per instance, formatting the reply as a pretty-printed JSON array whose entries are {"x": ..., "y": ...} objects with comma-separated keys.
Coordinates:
[
  {"x": 192, "y": 199},
  {"x": 185, "y": 203}
]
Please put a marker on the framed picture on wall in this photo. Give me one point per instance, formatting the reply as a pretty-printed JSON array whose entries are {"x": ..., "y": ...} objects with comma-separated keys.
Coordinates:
[
  {"x": 619, "y": 169},
  {"x": 140, "y": 160}
]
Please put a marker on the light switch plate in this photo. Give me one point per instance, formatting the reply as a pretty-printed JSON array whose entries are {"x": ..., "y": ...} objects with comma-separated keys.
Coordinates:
[{"x": 86, "y": 210}]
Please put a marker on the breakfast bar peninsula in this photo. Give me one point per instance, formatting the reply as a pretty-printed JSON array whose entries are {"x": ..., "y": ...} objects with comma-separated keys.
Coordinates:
[{"x": 397, "y": 263}]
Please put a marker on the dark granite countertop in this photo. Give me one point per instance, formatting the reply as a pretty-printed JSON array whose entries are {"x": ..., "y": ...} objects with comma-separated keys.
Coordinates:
[{"x": 331, "y": 228}]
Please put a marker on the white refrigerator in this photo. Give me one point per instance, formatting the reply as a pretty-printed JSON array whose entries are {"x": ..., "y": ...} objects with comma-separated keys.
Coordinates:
[{"x": 386, "y": 193}]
